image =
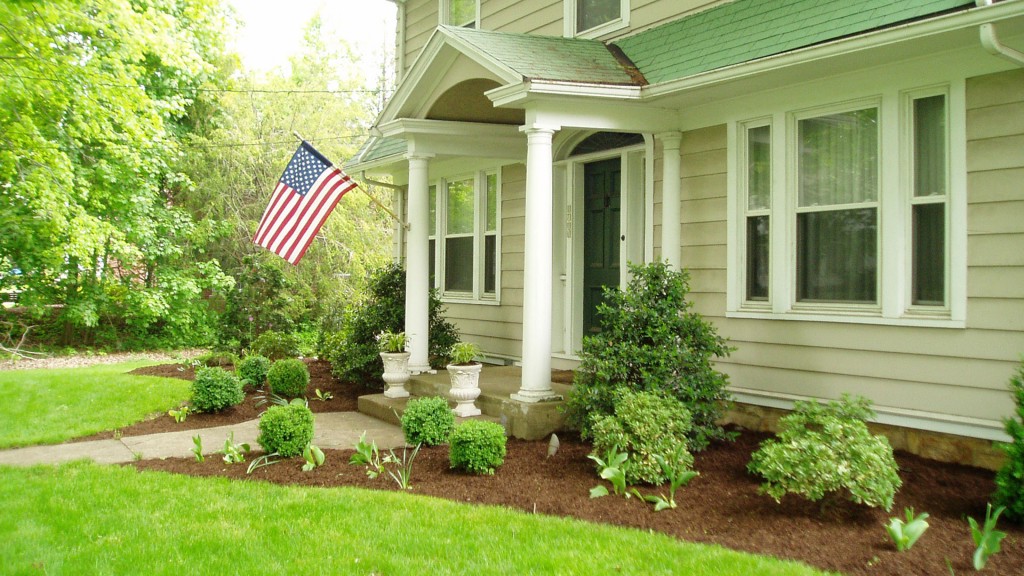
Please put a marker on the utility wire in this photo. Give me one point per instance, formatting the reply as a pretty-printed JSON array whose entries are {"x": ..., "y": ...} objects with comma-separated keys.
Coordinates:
[{"x": 223, "y": 90}]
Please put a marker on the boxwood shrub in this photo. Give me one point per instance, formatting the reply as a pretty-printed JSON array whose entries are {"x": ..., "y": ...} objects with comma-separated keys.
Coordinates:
[
  {"x": 286, "y": 429},
  {"x": 215, "y": 389},
  {"x": 288, "y": 378},
  {"x": 477, "y": 446},
  {"x": 427, "y": 421},
  {"x": 253, "y": 370},
  {"x": 1010, "y": 478}
]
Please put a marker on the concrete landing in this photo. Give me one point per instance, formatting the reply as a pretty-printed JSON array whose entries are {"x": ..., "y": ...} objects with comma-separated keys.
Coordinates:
[{"x": 528, "y": 421}]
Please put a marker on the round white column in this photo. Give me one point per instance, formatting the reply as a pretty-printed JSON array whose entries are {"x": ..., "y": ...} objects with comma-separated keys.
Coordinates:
[{"x": 417, "y": 266}]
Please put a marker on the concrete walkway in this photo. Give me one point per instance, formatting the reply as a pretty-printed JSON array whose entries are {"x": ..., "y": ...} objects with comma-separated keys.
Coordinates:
[{"x": 338, "y": 430}]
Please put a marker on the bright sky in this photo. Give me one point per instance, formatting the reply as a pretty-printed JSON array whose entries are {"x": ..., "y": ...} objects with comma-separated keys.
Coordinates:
[{"x": 273, "y": 28}]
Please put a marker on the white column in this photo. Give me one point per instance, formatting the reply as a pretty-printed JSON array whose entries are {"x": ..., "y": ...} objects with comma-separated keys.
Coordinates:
[
  {"x": 417, "y": 267},
  {"x": 670, "y": 193},
  {"x": 536, "y": 384}
]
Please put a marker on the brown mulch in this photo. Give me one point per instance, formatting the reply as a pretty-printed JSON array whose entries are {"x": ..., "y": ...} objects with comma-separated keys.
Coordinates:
[{"x": 721, "y": 506}]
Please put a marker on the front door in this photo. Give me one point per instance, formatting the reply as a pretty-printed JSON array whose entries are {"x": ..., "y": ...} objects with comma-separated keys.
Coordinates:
[{"x": 601, "y": 205}]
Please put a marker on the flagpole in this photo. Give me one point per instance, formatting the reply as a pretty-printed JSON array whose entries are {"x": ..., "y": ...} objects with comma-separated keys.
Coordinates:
[{"x": 372, "y": 197}]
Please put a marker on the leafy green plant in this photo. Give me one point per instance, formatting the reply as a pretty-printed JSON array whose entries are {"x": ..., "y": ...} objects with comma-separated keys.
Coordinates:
[
  {"x": 350, "y": 343},
  {"x": 402, "y": 473},
  {"x": 314, "y": 457},
  {"x": 427, "y": 421},
  {"x": 179, "y": 415},
  {"x": 215, "y": 389},
  {"x": 644, "y": 425},
  {"x": 261, "y": 461},
  {"x": 197, "y": 447},
  {"x": 462, "y": 353},
  {"x": 676, "y": 470},
  {"x": 986, "y": 538},
  {"x": 824, "y": 449},
  {"x": 252, "y": 370},
  {"x": 391, "y": 342},
  {"x": 905, "y": 534},
  {"x": 288, "y": 377},
  {"x": 276, "y": 345},
  {"x": 477, "y": 446},
  {"x": 610, "y": 468},
  {"x": 286, "y": 429},
  {"x": 234, "y": 452},
  {"x": 367, "y": 455},
  {"x": 216, "y": 359},
  {"x": 651, "y": 340},
  {"x": 1010, "y": 478},
  {"x": 323, "y": 396}
]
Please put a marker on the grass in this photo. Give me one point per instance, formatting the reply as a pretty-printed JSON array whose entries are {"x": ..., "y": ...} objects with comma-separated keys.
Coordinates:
[
  {"x": 49, "y": 406},
  {"x": 84, "y": 518}
]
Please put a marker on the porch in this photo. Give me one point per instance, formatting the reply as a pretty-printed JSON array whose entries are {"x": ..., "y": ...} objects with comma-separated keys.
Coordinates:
[{"x": 524, "y": 420}]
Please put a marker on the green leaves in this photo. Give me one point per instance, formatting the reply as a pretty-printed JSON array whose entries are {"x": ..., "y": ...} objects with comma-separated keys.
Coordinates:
[
  {"x": 905, "y": 534},
  {"x": 234, "y": 453},
  {"x": 314, "y": 457},
  {"x": 197, "y": 447},
  {"x": 986, "y": 538},
  {"x": 610, "y": 468}
]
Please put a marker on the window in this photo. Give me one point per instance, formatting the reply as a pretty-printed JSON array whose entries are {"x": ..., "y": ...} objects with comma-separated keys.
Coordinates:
[
  {"x": 852, "y": 218},
  {"x": 467, "y": 213},
  {"x": 595, "y": 17},
  {"x": 462, "y": 13}
]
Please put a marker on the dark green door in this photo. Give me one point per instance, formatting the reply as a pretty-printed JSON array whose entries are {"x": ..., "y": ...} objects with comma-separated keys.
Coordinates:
[{"x": 601, "y": 205}]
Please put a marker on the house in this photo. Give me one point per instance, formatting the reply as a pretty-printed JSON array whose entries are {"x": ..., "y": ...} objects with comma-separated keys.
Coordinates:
[{"x": 843, "y": 180}]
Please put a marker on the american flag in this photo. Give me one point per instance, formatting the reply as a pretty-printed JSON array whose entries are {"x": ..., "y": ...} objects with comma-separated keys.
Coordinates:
[{"x": 305, "y": 196}]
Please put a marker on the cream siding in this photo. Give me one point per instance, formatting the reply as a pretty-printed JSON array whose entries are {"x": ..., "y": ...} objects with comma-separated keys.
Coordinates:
[{"x": 944, "y": 371}]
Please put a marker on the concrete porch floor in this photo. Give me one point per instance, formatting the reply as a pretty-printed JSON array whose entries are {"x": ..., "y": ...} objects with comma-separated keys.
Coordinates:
[{"x": 528, "y": 421}]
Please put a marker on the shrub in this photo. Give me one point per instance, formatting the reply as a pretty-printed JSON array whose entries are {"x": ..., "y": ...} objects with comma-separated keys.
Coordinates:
[
  {"x": 275, "y": 345},
  {"x": 427, "y": 421},
  {"x": 217, "y": 358},
  {"x": 645, "y": 425},
  {"x": 286, "y": 429},
  {"x": 824, "y": 449},
  {"x": 1010, "y": 478},
  {"x": 650, "y": 340},
  {"x": 215, "y": 389},
  {"x": 477, "y": 446},
  {"x": 288, "y": 378},
  {"x": 350, "y": 344},
  {"x": 253, "y": 370}
]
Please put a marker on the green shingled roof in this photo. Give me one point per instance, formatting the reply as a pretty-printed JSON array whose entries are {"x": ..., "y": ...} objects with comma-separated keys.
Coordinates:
[
  {"x": 377, "y": 149},
  {"x": 548, "y": 57},
  {"x": 745, "y": 30}
]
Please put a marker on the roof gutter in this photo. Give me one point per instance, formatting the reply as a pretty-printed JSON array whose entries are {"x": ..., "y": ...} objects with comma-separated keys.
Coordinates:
[{"x": 990, "y": 41}]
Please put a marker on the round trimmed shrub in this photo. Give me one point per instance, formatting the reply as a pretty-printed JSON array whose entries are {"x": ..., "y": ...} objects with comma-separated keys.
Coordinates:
[
  {"x": 427, "y": 421},
  {"x": 644, "y": 425},
  {"x": 215, "y": 389},
  {"x": 477, "y": 446},
  {"x": 288, "y": 378},
  {"x": 286, "y": 429},
  {"x": 276, "y": 345},
  {"x": 253, "y": 370}
]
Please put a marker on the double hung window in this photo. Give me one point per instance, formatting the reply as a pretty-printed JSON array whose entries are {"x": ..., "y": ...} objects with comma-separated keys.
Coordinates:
[
  {"x": 462, "y": 13},
  {"x": 464, "y": 236},
  {"x": 595, "y": 17}
]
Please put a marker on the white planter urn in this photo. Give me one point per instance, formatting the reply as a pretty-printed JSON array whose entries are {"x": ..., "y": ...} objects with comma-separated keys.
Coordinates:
[
  {"x": 465, "y": 388},
  {"x": 396, "y": 373}
]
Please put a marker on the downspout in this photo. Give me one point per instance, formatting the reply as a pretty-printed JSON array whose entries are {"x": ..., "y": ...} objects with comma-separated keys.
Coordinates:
[{"x": 990, "y": 41}]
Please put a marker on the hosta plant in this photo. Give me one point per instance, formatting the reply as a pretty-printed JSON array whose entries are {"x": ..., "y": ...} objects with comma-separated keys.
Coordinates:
[
  {"x": 197, "y": 447},
  {"x": 677, "y": 474},
  {"x": 314, "y": 457},
  {"x": 367, "y": 454},
  {"x": 826, "y": 449},
  {"x": 234, "y": 452},
  {"x": 905, "y": 534},
  {"x": 986, "y": 537},
  {"x": 609, "y": 467}
]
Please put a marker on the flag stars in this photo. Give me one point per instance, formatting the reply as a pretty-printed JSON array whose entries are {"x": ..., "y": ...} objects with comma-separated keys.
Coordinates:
[{"x": 302, "y": 171}]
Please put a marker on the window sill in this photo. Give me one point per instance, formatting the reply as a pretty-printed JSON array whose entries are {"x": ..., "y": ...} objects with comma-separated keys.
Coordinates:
[
  {"x": 602, "y": 29},
  {"x": 916, "y": 319},
  {"x": 463, "y": 299}
]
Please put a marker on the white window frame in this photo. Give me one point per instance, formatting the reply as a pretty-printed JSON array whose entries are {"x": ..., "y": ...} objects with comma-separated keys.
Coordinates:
[
  {"x": 569, "y": 20},
  {"x": 894, "y": 205},
  {"x": 480, "y": 232},
  {"x": 445, "y": 17}
]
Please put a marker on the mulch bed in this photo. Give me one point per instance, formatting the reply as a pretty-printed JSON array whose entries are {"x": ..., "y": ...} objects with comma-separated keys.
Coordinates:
[{"x": 721, "y": 506}]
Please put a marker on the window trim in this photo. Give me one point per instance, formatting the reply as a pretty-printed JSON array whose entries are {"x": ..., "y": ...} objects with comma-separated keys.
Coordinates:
[
  {"x": 444, "y": 15},
  {"x": 476, "y": 295},
  {"x": 569, "y": 21},
  {"x": 894, "y": 213}
]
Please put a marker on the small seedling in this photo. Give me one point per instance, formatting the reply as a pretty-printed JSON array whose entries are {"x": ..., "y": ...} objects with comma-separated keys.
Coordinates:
[
  {"x": 904, "y": 534},
  {"x": 986, "y": 538},
  {"x": 262, "y": 461},
  {"x": 314, "y": 457},
  {"x": 403, "y": 468},
  {"x": 323, "y": 396},
  {"x": 677, "y": 474},
  {"x": 234, "y": 452},
  {"x": 197, "y": 449},
  {"x": 610, "y": 469},
  {"x": 180, "y": 414},
  {"x": 367, "y": 455}
]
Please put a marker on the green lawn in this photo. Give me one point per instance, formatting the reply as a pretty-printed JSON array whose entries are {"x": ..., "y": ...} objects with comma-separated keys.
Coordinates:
[
  {"x": 83, "y": 518},
  {"x": 51, "y": 406}
]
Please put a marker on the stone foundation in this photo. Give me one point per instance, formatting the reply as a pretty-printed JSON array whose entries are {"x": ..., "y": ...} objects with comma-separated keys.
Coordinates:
[{"x": 927, "y": 444}]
